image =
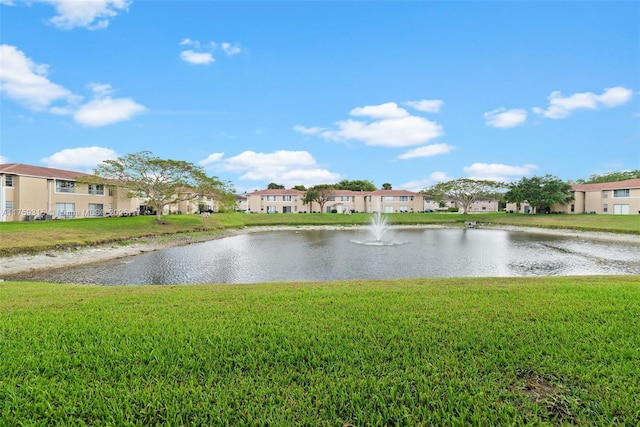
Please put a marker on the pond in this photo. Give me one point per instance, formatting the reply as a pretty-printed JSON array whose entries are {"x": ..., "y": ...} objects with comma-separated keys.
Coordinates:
[{"x": 322, "y": 255}]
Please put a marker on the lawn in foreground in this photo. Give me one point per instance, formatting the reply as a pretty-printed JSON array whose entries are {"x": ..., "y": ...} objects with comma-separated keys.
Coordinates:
[{"x": 404, "y": 352}]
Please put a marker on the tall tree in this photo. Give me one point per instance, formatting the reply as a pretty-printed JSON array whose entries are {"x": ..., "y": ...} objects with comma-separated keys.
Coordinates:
[
  {"x": 274, "y": 186},
  {"x": 611, "y": 177},
  {"x": 320, "y": 194},
  {"x": 161, "y": 182},
  {"x": 356, "y": 185},
  {"x": 299, "y": 188},
  {"x": 464, "y": 191},
  {"x": 541, "y": 192},
  {"x": 386, "y": 186}
]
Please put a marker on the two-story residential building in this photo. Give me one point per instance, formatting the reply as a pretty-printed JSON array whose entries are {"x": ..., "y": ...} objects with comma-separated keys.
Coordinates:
[
  {"x": 342, "y": 201},
  {"x": 32, "y": 192},
  {"x": 275, "y": 201},
  {"x": 617, "y": 198},
  {"x": 394, "y": 201},
  {"x": 609, "y": 198}
]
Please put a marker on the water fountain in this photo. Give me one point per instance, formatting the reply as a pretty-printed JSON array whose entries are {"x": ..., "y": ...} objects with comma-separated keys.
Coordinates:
[{"x": 378, "y": 227}]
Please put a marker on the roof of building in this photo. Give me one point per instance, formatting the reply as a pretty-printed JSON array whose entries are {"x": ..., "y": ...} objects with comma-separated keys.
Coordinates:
[
  {"x": 278, "y": 192},
  {"x": 627, "y": 183},
  {"x": 285, "y": 192},
  {"x": 393, "y": 193},
  {"x": 39, "y": 171}
]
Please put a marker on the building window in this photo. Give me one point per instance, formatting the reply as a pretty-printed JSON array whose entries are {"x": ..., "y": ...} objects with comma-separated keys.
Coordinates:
[
  {"x": 605, "y": 194},
  {"x": 605, "y": 208},
  {"x": 8, "y": 207},
  {"x": 271, "y": 198},
  {"x": 286, "y": 198},
  {"x": 573, "y": 208},
  {"x": 621, "y": 193},
  {"x": 96, "y": 189},
  {"x": 112, "y": 191},
  {"x": 345, "y": 198},
  {"x": 65, "y": 186},
  {"x": 96, "y": 209},
  {"x": 65, "y": 210},
  {"x": 272, "y": 209},
  {"x": 8, "y": 181},
  {"x": 388, "y": 198},
  {"x": 404, "y": 198}
]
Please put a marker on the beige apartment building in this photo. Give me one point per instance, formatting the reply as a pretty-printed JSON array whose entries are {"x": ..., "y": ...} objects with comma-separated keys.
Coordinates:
[
  {"x": 608, "y": 198},
  {"x": 345, "y": 201},
  {"x": 33, "y": 192}
]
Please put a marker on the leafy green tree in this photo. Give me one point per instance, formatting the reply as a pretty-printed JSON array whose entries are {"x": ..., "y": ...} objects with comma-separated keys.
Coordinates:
[
  {"x": 161, "y": 182},
  {"x": 464, "y": 191},
  {"x": 274, "y": 186},
  {"x": 386, "y": 186},
  {"x": 611, "y": 177},
  {"x": 320, "y": 194},
  {"x": 299, "y": 188},
  {"x": 356, "y": 185},
  {"x": 541, "y": 192}
]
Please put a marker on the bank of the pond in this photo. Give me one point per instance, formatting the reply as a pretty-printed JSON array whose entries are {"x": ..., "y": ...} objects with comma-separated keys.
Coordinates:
[
  {"x": 79, "y": 255},
  {"x": 456, "y": 352}
]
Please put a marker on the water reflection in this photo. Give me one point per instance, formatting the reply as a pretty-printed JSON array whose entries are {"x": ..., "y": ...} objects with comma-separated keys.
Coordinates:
[{"x": 318, "y": 255}]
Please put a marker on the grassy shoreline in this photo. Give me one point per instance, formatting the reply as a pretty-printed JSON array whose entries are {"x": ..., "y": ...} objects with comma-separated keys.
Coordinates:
[
  {"x": 476, "y": 351},
  {"x": 33, "y": 237}
]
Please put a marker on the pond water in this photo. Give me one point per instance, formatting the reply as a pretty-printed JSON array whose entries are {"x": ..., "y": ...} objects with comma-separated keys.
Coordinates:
[{"x": 320, "y": 255}]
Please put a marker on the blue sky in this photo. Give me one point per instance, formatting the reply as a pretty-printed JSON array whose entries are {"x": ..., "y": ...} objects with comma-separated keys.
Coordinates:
[{"x": 407, "y": 93}]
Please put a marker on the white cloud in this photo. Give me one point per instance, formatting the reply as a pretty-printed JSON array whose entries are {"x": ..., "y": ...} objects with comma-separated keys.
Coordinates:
[
  {"x": 497, "y": 171},
  {"x": 399, "y": 132},
  {"x": 615, "y": 96},
  {"x": 308, "y": 130},
  {"x": 285, "y": 167},
  {"x": 561, "y": 107},
  {"x": 503, "y": 118},
  {"x": 26, "y": 82},
  {"x": 196, "y": 58},
  {"x": 4, "y": 160},
  {"x": 106, "y": 111},
  {"x": 100, "y": 90},
  {"x": 211, "y": 159},
  {"x": 426, "y": 105},
  {"x": 427, "y": 151},
  {"x": 432, "y": 179},
  {"x": 387, "y": 126},
  {"x": 90, "y": 14},
  {"x": 202, "y": 54},
  {"x": 390, "y": 110},
  {"x": 81, "y": 157},
  {"x": 230, "y": 49}
]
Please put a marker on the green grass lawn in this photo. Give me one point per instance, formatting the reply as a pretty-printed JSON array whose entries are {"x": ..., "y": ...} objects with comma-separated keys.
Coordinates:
[
  {"x": 23, "y": 237},
  {"x": 454, "y": 352}
]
